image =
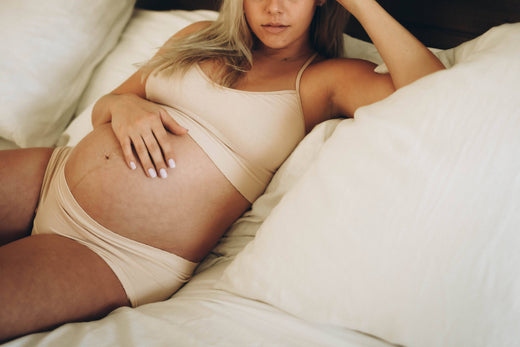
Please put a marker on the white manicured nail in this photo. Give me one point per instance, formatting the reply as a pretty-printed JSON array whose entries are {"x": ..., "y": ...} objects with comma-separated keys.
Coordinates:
[
  {"x": 163, "y": 173},
  {"x": 171, "y": 163},
  {"x": 152, "y": 173},
  {"x": 132, "y": 165}
]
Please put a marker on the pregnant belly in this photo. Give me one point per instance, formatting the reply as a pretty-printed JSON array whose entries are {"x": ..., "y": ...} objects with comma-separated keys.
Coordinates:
[{"x": 185, "y": 214}]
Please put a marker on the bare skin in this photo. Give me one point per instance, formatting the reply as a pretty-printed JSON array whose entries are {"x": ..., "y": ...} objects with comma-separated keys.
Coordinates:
[
  {"x": 21, "y": 175},
  {"x": 49, "y": 279},
  {"x": 200, "y": 201}
]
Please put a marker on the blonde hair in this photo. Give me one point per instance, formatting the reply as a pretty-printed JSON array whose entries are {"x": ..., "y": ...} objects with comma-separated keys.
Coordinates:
[{"x": 229, "y": 40}]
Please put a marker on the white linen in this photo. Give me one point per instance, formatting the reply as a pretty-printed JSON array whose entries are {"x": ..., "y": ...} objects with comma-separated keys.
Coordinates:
[
  {"x": 406, "y": 226},
  {"x": 6, "y": 144},
  {"x": 48, "y": 52},
  {"x": 200, "y": 315}
]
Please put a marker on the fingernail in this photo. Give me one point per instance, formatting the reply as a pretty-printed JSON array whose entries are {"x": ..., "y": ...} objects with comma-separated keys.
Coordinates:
[
  {"x": 163, "y": 173},
  {"x": 152, "y": 173},
  {"x": 132, "y": 165},
  {"x": 171, "y": 163}
]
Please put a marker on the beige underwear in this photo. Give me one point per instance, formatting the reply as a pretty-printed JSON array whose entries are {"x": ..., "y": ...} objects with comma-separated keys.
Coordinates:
[{"x": 147, "y": 274}]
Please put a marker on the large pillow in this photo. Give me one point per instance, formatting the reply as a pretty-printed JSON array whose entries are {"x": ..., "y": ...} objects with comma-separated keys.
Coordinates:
[
  {"x": 407, "y": 225},
  {"x": 145, "y": 33},
  {"x": 49, "y": 49}
]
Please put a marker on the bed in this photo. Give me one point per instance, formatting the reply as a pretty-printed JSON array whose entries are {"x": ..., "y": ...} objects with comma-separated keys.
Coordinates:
[{"x": 397, "y": 227}]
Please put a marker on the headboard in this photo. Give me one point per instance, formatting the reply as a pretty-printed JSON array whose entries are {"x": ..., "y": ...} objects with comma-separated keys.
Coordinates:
[{"x": 437, "y": 23}]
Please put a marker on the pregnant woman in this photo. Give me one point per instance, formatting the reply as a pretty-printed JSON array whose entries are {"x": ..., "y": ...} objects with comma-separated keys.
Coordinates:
[{"x": 178, "y": 152}]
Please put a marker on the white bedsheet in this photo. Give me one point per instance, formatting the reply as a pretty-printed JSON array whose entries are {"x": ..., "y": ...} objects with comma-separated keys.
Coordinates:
[{"x": 199, "y": 315}]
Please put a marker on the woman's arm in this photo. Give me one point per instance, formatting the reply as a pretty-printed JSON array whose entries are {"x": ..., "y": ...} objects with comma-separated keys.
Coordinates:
[
  {"x": 406, "y": 57},
  {"x": 139, "y": 123},
  {"x": 102, "y": 114},
  {"x": 135, "y": 84},
  {"x": 353, "y": 83}
]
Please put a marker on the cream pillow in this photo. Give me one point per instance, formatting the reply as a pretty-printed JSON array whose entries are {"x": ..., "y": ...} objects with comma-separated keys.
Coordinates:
[
  {"x": 406, "y": 227},
  {"x": 49, "y": 49}
]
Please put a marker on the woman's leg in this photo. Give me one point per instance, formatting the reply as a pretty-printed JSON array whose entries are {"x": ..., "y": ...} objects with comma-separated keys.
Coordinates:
[
  {"x": 21, "y": 176},
  {"x": 48, "y": 280}
]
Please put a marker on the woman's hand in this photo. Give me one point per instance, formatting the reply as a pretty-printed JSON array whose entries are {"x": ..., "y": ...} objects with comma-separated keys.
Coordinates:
[{"x": 142, "y": 125}]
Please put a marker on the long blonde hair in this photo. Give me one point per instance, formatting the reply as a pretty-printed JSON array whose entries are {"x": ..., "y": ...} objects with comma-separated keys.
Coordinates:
[{"x": 229, "y": 40}]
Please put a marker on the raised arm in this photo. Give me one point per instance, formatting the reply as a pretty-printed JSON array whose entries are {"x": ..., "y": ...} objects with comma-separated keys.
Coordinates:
[{"x": 406, "y": 57}]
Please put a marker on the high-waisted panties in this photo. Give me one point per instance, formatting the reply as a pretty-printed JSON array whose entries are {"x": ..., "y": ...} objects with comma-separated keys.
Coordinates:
[{"x": 148, "y": 274}]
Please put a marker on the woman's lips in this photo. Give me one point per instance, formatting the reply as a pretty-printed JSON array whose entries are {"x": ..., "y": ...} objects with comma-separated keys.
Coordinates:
[{"x": 274, "y": 28}]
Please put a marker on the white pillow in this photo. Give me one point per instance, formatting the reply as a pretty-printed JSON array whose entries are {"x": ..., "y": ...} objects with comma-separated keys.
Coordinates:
[
  {"x": 407, "y": 225},
  {"x": 145, "y": 33},
  {"x": 49, "y": 49}
]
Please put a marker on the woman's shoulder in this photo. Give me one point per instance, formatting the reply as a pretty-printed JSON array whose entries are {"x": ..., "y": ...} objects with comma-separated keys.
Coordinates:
[{"x": 339, "y": 67}]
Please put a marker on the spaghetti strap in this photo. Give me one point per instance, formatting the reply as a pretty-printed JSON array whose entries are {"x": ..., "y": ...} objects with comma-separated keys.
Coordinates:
[
  {"x": 298, "y": 78},
  {"x": 300, "y": 73}
]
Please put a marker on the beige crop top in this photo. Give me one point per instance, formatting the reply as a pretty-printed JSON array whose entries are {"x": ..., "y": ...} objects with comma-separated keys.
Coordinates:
[{"x": 246, "y": 134}]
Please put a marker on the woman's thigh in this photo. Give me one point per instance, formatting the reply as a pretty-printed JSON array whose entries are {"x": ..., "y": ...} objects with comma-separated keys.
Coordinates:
[
  {"x": 48, "y": 280},
  {"x": 21, "y": 176}
]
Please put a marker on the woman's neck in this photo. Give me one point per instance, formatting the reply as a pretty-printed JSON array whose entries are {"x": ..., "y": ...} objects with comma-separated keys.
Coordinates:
[{"x": 287, "y": 54}]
